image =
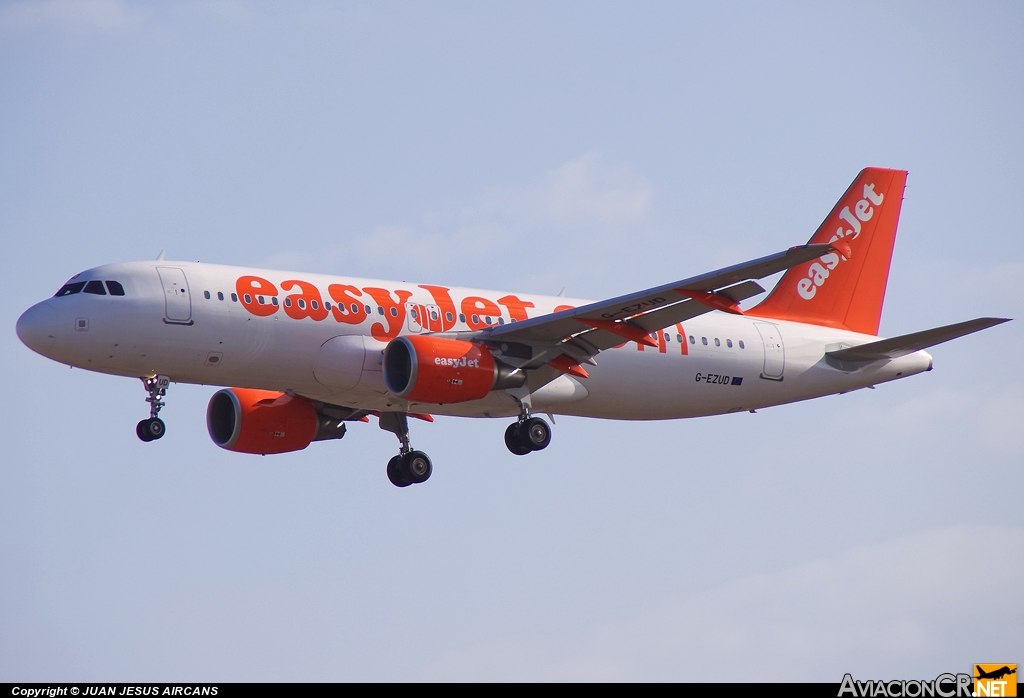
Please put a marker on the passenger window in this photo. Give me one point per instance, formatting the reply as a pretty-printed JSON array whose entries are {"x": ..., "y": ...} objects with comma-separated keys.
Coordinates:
[
  {"x": 741, "y": 345},
  {"x": 259, "y": 299},
  {"x": 692, "y": 340},
  {"x": 487, "y": 320},
  {"x": 316, "y": 306},
  {"x": 234, "y": 298},
  {"x": 394, "y": 312},
  {"x": 462, "y": 317},
  {"x": 501, "y": 321},
  {"x": 327, "y": 305},
  {"x": 433, "y": 314},
  {"x": 704, "y": 340},
  {"x": 248, "y": 298},
  {"x": 728, "y": 343},
  {"x": 274, "y": 300},
  {"x": 287, "y": 302},
  {"x": 206, "y": 295},
  {"x": 368, "y": 309},
  {"x": 70, "y": 289},
  {"x": 717, "y": 343},
  {"x": 355, "y": 308},
  {"x": 380, "y": 310},
  {"x": 413, "y": 314},
  {"x": 449, "y": 317},
  {"x": 95, "y": 287},
  {"x": 115, "y": 288},
  {"x": 476, "y": 319},
  {"x": 679, "y": 338},
  {"x": 302, "y": 304},
  {"x": 668, "y": 337},
  {"x": 220, "y": 296}
]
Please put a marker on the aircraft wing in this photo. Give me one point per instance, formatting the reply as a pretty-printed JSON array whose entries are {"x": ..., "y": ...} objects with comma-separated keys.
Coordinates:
[
  {"x": 909, "y": 343},
  {"x": 581, "y": 333}
]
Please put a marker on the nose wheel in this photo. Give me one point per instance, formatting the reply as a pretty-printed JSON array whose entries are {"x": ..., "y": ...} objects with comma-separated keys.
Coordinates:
[
  {"x": 527, "y": 435},
  {"x": 150, "y": 429},
  {"x": 153, "y": 428}
]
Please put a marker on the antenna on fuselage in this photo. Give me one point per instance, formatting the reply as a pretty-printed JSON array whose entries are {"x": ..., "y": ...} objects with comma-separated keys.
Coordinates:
[
  {"x": 160, "y": 257},
  {"x": 561, "y": 294}
]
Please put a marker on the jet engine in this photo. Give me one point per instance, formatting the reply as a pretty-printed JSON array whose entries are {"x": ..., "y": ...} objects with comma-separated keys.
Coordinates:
[
  {"x": 263, "y": 421},
  {"x": 442, "y": 371}
]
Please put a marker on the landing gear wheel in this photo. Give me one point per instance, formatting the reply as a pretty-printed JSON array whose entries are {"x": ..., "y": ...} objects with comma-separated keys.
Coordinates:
[
  {"x": 150, "y": 429},
  {"x": 513, "y": 442},
  {"x": 535, "y": 434},
  {"x": 416, "y": 466},
  {"x": 396, "y": 473}
]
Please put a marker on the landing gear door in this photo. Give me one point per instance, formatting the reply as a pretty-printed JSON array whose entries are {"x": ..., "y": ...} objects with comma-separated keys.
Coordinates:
[
  {"x": 774, "y": 350},
  {"x": 177, "y": 299}
]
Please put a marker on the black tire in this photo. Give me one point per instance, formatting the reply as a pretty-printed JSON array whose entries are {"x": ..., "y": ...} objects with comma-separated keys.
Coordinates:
[
  {"x": 512, "y": 441},
  {"x": 142, "y": 432},
  {"x": 417, "y": 467},
  {"x": 535, "y": 434},
  {"x": 155, "y": 428},
  {"x": 396, "y": 473}
]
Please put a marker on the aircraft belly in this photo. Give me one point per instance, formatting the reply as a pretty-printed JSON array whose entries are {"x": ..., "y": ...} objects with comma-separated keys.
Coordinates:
[{"x": 629, "y": 384}]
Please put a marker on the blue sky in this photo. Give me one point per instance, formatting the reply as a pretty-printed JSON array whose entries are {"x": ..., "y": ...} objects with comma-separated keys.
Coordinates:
[{"x": 531, "y": 146}]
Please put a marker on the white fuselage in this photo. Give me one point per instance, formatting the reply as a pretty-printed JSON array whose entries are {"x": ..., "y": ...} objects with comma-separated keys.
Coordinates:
[{"x": 165, "y": 324}]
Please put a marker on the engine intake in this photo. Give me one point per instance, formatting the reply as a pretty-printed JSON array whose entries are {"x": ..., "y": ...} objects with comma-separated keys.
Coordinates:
[{"x": 442, "y": 371}]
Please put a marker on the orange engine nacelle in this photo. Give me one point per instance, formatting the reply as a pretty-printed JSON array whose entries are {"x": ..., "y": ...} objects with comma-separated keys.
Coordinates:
[
  {"x": 261, "y": 421},
  {"x": 440, "y": 371}
]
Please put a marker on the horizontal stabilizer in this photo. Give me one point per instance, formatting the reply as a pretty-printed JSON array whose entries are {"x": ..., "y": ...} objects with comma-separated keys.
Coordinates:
[{"x": 909, "y": 343}]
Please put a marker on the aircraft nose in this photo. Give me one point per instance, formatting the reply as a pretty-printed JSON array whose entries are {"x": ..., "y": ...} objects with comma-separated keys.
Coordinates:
[{"x": 37, "y": 328}]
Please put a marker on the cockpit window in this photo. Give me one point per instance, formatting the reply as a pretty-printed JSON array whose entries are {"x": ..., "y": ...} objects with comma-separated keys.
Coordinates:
[
  {"x": 95, "y": 287},
  {"x": 70, "y": 289},
  {"x": 115, "y": 288}
]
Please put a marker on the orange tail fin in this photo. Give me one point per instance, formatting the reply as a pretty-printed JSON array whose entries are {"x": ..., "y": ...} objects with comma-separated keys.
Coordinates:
[{"x": 845, "y": 290}]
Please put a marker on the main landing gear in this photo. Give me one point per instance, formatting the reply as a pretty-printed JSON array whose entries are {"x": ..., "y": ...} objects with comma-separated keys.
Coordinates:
[
  {"x": 153, "y": 428},
  {"x": 528, "y": 434},
  {"x": 409, "y": 467}
]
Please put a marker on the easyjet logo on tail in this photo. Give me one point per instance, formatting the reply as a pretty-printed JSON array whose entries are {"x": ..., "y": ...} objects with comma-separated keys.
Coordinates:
[{"x": 818, "y": 272}]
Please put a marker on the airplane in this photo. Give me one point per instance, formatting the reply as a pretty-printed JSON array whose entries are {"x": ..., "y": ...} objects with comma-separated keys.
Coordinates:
[
  {"x": 995, "y": 674},
  {"x": 302, "y": 356}
]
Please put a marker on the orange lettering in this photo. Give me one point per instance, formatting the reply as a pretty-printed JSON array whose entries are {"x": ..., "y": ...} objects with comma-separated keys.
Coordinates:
[
  {"x": 349, "y": 309},
  {"x": 683, "y": 348},
  {"x": 475, "y": 306},
  {"x": 560, "y": 308},
  {"x": 305, "y": 304},
  {"x": 516, "y": 307},
  {"x": 393, "y": 311},
  {"x": 253, "y": 289}
]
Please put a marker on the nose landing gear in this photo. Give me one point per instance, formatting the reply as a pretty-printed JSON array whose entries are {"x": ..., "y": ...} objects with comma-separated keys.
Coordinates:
[
  {"x": 409, "y": 467},
  {"x": 153, "y": 428}
]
